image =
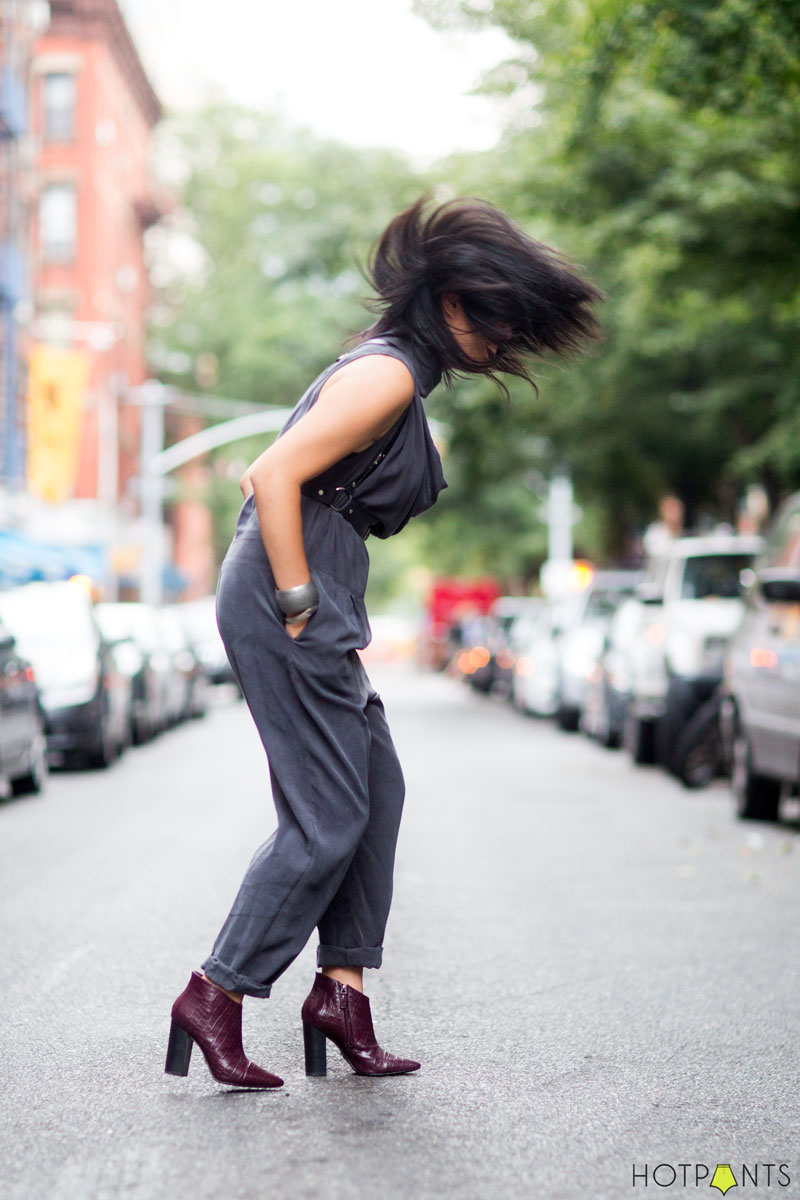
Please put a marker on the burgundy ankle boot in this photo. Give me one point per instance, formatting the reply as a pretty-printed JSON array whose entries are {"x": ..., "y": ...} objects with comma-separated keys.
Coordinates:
[
  {"x": 339, "y": 1012},
  {"x": 204, "y": 1014}
]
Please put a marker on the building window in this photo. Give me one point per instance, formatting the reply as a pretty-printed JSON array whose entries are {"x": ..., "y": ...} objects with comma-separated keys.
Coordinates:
[
  {"x": 59, "y": 106},
  {"x": 58, "y": 222}
]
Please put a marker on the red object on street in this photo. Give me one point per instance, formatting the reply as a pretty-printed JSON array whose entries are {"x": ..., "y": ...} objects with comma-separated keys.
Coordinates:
[
  {"x": 451, "y": 598},
  {"x": 450, "y": 602}
]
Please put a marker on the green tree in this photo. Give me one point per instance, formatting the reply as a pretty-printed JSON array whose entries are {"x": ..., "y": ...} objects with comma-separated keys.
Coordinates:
[
  {"x": 277, "y": 219},
  {"x": 659, "y": 143}
]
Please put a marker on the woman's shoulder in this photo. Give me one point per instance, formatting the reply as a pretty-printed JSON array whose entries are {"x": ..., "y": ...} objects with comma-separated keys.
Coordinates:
[{"x": 414, "y": 357}]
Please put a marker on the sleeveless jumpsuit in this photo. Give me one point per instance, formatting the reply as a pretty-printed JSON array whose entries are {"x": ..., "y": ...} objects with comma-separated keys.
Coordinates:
[{"x": 336, "y": 780}]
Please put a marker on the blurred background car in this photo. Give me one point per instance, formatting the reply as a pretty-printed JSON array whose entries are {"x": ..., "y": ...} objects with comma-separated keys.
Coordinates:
[
  {"x": 535, "y": 677},
  {"x": 200, "y": 620},
  {"x": 693, "y": 595},
  {"x": 488, "y": 664},
  {"x": 23, "y": 742},
  {"x": 761, "y": 689},
  {"x": 582, "y": 621},
  {"x": 189, "y": 694},
  {"x": 132, "y": 630},
  {"x": 85, "y": 699},
  {"x": 610, "y": 683}
]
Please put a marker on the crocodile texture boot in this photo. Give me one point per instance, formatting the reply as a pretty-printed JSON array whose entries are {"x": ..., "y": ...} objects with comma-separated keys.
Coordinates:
[
  {"x": 204, "y": 1014},
  {"x": 339, "y": 1012}
]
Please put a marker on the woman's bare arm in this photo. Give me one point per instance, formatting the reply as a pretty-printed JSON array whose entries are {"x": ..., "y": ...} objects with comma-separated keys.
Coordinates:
[{"x": 356, "y": 406}]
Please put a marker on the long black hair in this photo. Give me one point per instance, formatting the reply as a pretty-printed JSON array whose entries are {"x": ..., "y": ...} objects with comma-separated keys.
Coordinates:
[{"x": 517, "y": 293}]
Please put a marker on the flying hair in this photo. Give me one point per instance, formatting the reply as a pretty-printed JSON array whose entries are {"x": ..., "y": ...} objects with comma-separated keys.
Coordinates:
[{"x": 519, "y": 294}]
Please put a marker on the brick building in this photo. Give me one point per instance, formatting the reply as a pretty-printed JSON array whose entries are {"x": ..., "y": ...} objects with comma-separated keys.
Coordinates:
[
  {"x": 20, "y": 20},
  {"x": 93, "y": 110}
]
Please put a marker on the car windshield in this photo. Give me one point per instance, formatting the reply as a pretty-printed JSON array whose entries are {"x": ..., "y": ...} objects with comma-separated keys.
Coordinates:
[{"x": 706, "y": 575}]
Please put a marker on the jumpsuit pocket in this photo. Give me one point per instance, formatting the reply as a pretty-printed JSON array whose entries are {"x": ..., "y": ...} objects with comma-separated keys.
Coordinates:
[
  {"x": 336, "y": 627},
  {"x": 301, "y": 636}
]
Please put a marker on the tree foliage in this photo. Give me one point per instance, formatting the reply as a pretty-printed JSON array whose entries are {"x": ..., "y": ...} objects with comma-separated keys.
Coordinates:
[
  {"x": 277, "y": 219},
  {"x": 655, "y": 142},
  {"x": 660, "y": 145}
]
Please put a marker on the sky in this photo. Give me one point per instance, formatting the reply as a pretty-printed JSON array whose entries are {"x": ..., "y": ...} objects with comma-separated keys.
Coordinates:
[{"x": 367, "y": 72}]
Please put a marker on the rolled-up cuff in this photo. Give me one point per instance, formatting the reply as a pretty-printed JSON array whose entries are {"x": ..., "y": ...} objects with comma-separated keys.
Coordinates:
[
  {"x": 232, "y": 980},
  {"x": 349, "y": 956}
]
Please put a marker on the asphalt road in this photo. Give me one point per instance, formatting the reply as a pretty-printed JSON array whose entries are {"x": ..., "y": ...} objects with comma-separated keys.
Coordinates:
[{"x": 596, "y": 968}]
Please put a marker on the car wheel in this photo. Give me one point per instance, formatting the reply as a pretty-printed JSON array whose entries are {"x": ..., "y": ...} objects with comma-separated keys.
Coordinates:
[
  {"x": 639, "y": 739},
  {"x": 757, "y": 797},
  {"x": 697, "y": 755},
  {"x": 610, "y": 738},
  {"x": 35, "y": 778},
  {"x": 699, "y": 766},
  {"x": 568, "y": 719},
  {"x": 125, "y": 740},
  {"x": 105, "y": 752}
]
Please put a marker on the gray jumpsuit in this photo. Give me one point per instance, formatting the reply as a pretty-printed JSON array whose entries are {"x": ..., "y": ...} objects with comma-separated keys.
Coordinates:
[{"x": 336, "y": 780}]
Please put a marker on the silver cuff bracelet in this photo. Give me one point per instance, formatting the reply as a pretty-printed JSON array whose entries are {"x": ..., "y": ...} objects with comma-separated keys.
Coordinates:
[
  {"x": 301, "y": 616},
  {"x": 305, "y": 595}
]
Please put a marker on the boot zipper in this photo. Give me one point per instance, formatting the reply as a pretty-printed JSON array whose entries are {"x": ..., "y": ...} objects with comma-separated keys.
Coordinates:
[{"x": 345, "y": 1015}]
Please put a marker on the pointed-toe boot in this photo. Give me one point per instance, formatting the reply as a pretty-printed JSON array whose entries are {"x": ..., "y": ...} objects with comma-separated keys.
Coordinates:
[
  {"x": 339, "y": 1012},
  {"x": 203, "y": 1013}
]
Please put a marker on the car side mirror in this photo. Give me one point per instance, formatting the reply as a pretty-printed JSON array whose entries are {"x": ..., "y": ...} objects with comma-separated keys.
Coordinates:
[
  {"x": 648, "y": 593},
  {"x": 780, "y": 585}
]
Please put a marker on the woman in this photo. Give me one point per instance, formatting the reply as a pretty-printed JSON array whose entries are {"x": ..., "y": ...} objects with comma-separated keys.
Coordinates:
[{"x": 460, "y": 289}]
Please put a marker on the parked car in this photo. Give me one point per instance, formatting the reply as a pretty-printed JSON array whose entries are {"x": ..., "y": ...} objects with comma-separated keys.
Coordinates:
[
  {"x": 535, "y": 680},
  {"x": 581, "y": 624},
  {"x": 85, "y": 700},
  {"x": 134, "y": 655},
  {"x": 611, "y": 680},
  {"x": 200, "y": 620},
  {"x": 187, "y": 666},
  {"x": 23, "y": 742},
  {"x": 761, "y": 689},
  {"x": 493, "y": 670},
  {"x": 693, "y": 594}
]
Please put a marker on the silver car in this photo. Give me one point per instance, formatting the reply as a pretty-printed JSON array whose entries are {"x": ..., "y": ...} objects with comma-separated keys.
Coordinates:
[{"x": 761, "y": 690}]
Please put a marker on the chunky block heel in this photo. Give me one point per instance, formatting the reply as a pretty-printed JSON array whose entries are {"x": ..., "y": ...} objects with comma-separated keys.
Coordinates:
[
  {"x": 205, "y": 1014},
  {"x": 179, "y": 1051},
  {"x": 316, "y": 1051},
  {"x": 342, "y": 1014}
]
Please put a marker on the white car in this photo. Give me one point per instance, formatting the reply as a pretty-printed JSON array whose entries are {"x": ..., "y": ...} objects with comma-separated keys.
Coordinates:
[
  {"x": 535, "y": 677},
  {"x": 692, "y": 592},
  {"x": 583, "y": 620}
]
